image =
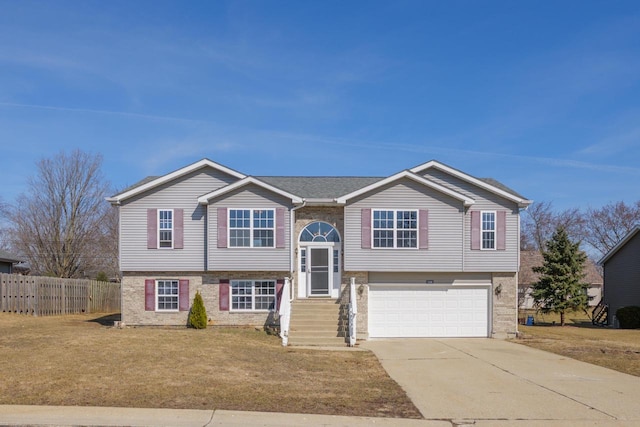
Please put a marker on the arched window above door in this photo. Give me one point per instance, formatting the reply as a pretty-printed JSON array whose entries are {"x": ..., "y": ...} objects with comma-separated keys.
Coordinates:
[{"x": 319, "y": 232}]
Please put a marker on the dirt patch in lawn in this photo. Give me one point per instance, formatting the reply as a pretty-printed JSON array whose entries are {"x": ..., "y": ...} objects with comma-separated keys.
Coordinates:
[
  {"x": 617, "y": 349},
  {"x": 78, "y": 360}
]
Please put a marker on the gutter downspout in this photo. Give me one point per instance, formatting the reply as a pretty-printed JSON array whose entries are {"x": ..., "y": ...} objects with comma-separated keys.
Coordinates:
[{"x": 292, "y": 227}]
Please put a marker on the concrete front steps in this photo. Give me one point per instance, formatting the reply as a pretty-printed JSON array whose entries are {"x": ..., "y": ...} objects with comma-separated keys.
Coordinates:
[{"x": 317, "y": 322}]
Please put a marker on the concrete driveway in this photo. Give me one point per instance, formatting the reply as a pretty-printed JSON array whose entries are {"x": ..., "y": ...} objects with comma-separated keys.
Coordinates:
[{"x": 494, "y": 382}]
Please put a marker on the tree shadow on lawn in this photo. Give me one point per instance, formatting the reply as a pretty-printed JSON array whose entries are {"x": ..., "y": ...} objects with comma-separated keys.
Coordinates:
[{"x": 107, "y": 320}]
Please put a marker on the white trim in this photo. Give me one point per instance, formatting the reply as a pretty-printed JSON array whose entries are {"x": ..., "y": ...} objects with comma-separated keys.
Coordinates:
[
  {"x": 252, "y": 228},
  {"x": 164, "y": 310},
  {"x": 173, "y": 228},
  {"x": 620, "y": 244},
  {"x": 253, "y": 296},
  {"x": 522, "y": 203},
  {"x": 205, "y": 199},
  {"x": 407, "y": 174},
  {"x": 171, "y": 176},
  {"x": 495, "y": 230},
  {"x": 395, "y": 229}
]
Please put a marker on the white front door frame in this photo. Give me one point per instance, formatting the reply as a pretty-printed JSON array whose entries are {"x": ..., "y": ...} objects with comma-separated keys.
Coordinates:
[{"x": 304, "y": 273}]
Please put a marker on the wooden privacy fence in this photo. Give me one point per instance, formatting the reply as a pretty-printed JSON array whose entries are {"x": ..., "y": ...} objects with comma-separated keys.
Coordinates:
[{"x": 50, "y": 296}]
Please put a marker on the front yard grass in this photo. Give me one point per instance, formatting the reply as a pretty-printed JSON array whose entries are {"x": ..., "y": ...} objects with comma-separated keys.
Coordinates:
[
  {"x": 76, "y": 360},
  {"x": 617, "y": 349}
]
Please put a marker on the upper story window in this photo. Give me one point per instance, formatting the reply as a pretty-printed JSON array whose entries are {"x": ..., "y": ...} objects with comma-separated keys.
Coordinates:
[
  {"x": 395, "y": 228},
  {"x": 165, "y": 228},
  {"x": 251, "y": 228},
  {"x": 488, "y": 223},
  {"x": 319, "y": 232}
]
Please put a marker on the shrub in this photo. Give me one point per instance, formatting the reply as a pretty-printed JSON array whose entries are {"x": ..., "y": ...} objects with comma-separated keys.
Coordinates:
[
  {"x": 198, "y": 314},
  {"x": 629, "y": 317},
  {"x": 102, "y": 277}
]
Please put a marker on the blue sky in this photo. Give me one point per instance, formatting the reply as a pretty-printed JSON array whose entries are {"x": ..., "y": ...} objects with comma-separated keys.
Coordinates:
[{"x": 543, "y": 96}]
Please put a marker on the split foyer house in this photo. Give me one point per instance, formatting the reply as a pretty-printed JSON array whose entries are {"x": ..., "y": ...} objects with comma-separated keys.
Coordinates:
[{"x": 431, "y": 251}]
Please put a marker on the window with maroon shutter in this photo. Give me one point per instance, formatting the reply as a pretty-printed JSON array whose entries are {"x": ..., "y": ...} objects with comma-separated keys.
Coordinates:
[
  {"x": 178, "y": 239},
  {"x": 223, "y": 293},
  {"x": 152, "y": 228},
  {"x": 184, "y": 295},
  {"x": 365, "y": 228},
  {"x": 149, "y": 295},
  {"x": 222, "y": 227},
  {"x": 475, "y": 230},
  {"x": 280, "y": 215},
  {"x": 501, "y": 230},
  {"x": 423, "y": 224}
]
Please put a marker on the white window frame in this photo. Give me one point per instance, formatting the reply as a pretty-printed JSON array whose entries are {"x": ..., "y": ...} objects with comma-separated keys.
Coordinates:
[
  {"x": 176, "y": 295},
  {"x": 494, "y": 231},
  {"x": 395, "y": 229},
  {"x": 172, "y": 229},
  {"x": 253, "y": 296},
  {"x": 252, "y": 228}
]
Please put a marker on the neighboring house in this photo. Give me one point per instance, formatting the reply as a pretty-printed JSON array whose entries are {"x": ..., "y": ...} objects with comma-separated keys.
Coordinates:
[
  {"x": 622, "y": 274},
  {"x": 7, "y": 262},
  {"x": 434, "y": 251},
  {"x": 526, "y": 278}
]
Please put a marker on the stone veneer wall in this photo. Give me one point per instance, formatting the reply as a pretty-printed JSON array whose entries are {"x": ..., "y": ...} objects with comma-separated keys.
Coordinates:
[
  {"x": 362, "y": 294},
  {"x": 505, "y": 313},
  {"x": 133, "y": 312}
]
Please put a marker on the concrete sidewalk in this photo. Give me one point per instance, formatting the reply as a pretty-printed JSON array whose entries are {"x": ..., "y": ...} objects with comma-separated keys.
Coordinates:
[
  {"x": 14, "y": 415},
  {"x": 495, "y": 382}
]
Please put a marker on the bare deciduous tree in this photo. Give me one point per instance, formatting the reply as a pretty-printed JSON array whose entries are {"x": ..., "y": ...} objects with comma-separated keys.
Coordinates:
[
  {"x": 606, "y": 226},
  {"x": 57, "y": 224},
  {"x": 540, "y": 221}
]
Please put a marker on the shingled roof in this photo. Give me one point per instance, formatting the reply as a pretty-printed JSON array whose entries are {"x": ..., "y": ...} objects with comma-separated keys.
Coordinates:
[
  {"x": 8, "y": 257},
  {"x": 530, "y": 259},
  {"x": 319, "y": 187}
]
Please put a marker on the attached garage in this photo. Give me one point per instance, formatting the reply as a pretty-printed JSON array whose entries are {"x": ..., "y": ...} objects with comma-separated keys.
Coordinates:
[{"x": 401, "y": 310}]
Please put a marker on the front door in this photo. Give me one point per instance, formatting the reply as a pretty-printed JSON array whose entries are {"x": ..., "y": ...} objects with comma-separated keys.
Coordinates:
[{"x": 319, "y": 271}]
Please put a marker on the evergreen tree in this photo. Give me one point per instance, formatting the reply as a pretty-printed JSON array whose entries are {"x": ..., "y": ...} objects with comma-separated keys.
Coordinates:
[
  {"x": 560, "y": 288},
  {"x": 198, "y": 314}
]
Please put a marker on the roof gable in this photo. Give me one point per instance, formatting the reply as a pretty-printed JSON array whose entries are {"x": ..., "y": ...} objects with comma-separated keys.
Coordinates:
[
  {"x": 407, "y": 174},
  {"x": 620, "y": 244},
  {"x": 153, "y": 182},
  {"x": 487, "y": 184},
  {"x": 205, "y": 199}
]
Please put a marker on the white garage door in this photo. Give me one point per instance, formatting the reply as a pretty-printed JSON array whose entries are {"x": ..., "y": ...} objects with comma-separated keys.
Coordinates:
[{"x": 411, "y": 311}]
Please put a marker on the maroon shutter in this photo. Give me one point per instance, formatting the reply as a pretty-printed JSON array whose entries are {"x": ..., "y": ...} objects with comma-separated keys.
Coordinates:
[
  {"x": 183, "y": 300},
  {"x": 501, "y": 230},
  {"x": 178, "y": 228},
  {"x": 152, "y": 229},
  {"x": 222, "y": 227},
  {"x": 475, "y": 230},
  {"x": 365, "y": 228},
  {"x": 279, "y": 286},
  {"x": 223, "y": 303},
  {"x": 149, "y": 295},
  {"x": 280, "y": 212},
  {"x": 423, "y": 228}
]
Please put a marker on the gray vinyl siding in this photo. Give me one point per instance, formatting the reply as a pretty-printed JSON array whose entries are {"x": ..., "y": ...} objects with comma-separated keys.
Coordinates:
[
  {"x": 445, "y": 231},
  {"x": 180, "y": 193},
  {"x": 248, "y": 259},
  {"x": 485, "y": 260},
  {"x": 622, "y": 277}
]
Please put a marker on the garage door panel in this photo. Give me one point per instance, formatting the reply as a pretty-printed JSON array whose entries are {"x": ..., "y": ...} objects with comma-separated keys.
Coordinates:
[{"x": 397, "y": 311}]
